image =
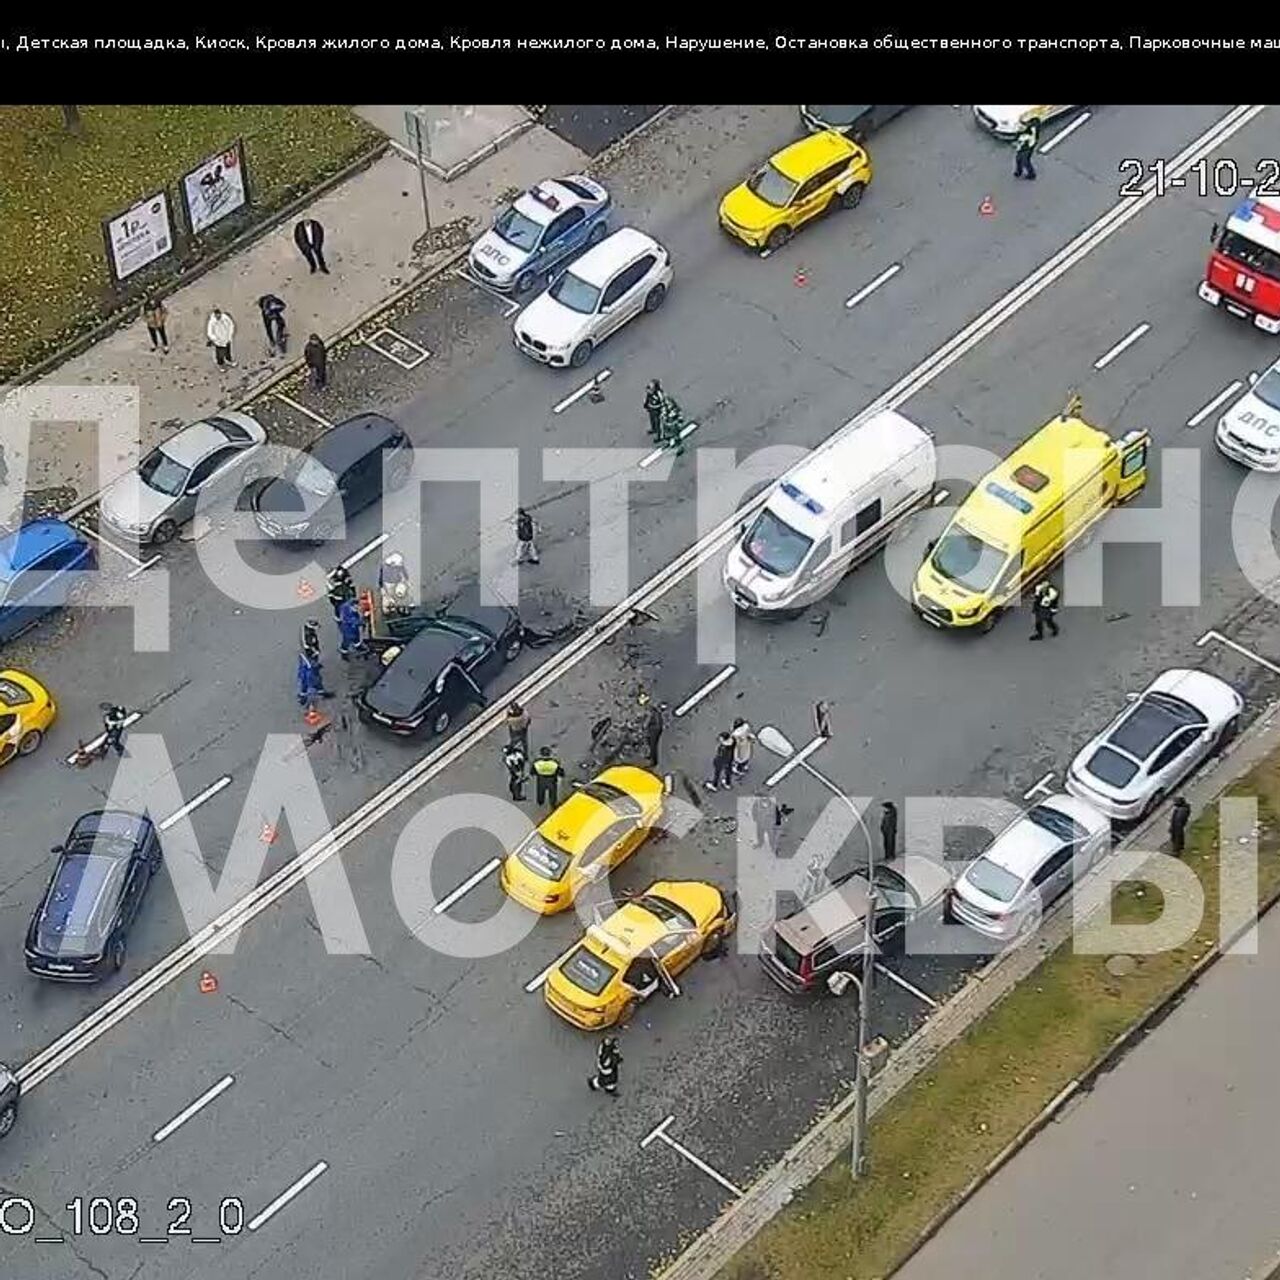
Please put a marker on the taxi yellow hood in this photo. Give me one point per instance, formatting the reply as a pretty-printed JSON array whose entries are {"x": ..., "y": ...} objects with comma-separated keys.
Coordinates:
[{"x": 747, "y": 209}]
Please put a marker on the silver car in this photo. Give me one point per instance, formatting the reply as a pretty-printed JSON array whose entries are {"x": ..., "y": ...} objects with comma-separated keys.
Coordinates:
[
  {"x": 1169, "y": 729},
  {"x": 218, "y": 455},
  {"x": 1032, "y": 862}
]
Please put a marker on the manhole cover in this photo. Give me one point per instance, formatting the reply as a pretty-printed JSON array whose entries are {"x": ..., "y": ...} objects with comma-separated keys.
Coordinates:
[{"x": 1121, "y": 966}]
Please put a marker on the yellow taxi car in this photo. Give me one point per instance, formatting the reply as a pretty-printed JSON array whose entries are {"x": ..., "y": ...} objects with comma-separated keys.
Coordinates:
[
  {"x": 601, "y": 825},
  {"x": 26, "y": 712},
  {"x": 642, "y": 946},
  {"x": 793, "y": 186}
]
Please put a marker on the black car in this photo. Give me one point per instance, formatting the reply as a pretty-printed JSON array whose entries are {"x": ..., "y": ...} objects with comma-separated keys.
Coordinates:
[
  {"x": 442, "y": 668},
  {"x": 80, "y": 930},
  {"x": 334, "y": 478},
  {"x": 853, "y": 122},
  {"x": 10, "y": 1092}
]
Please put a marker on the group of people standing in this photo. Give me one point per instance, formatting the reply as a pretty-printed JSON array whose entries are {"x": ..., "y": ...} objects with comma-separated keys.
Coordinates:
[{"x": 545, "y": 767}]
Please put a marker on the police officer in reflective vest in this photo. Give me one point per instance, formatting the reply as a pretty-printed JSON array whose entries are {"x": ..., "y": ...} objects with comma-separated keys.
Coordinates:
[
  {"x": 1027, "y": 142},
  {"x": 548, "y": 771},
  {"x": 1044, "y": 605}
]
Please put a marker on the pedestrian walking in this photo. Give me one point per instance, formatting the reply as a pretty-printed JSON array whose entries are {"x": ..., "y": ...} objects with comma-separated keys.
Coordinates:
[
  {"x": 310, "y": 681},
  {"x": 218, "y": 333},
  {"x": 517, "y": 722},
  {"x": 822, "y": 719},
  {"x": 339, "y": 587},
  {"x": 815, "y": 880},
  {"x": 1179, "y": 816},
  {"x": 655, "y": 722},
  {"x": 308, "y": 235},
  {"x": 671, "y": 425},
  {"x": 889, "y": 829},
  {"x": 743, "y": 737},
  {"x": 350, "y": 637},
  {"x": 526, "y": 552},
  {"x": 548, "y": 771},
  {"x": 155, "y": 316},
  {"x": 1026, "y": 145},
  {"x": 608, "y": 1059},
  {"x": 722, "y": 763},
  {"x": 311, "y": 638},
  {"x": 316, "y": 354},
  {"x": 1044, "y": 608},
  {"x": 515, "y": 761},
  {"x": 653, "y": 401},
  {"x": 273, "y": 309}
]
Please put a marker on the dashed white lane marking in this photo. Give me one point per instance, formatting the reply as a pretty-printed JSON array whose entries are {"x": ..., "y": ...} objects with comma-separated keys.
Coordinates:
[
  {"x": 1123, "y": 345},
  {"x": 392, "y": 345},
  {"x": 198, "y": 1105},
  {"x": 120, "y": 551},
  {"x": 710, "y": 687},
  {"x": 534, "y": 983},
  {"x": 906, "y": 986},
  {"x": 207, "y": 794},
  {"x": 132, "y": 718},
  {"x": 1225, "y": 394},
  {"x": 1037, "y": 787},
  {"x": 466, "y": 886},
  {"x": 1239, "y": 648},
  {"x": 867, "y": 289},
  {"x": 796, "y": 761},
  {"x": 357, "y": 556},
  {"x": 661, "y": 1134},
  {"x": 511, "y": 305},
  {"x": 603, "y": 376},
  {"x": 285, "y": 1196},
  {"x": 302, "y": 408},
  {"x": 1063, "y": 134},
  {"x": 657, "y": 453}
]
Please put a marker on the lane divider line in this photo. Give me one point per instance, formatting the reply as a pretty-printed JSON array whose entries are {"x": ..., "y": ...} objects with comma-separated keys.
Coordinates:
[
  {"x": 886, "y": 275},
  {"x": 659, "y": 452},
  {"x": 357, "y": 556},
  {"x": 710, "y": 687},
  {"x": 198, "y": 1105},
  {"x": 207, "y": 794},
  {"x": 534, "y": 983},
  {"x": 795, "y": 761},
  {"x": 1123, "y": 345},
  {"x": 1063, "y": 134},
  {"x": 93, "y": 744},
  {"x": 603, "y": 376},
  {"x": 466, "y": 886},
  {"x": 1225, "y": 394},
  {"x": 285, "y": 1196}
]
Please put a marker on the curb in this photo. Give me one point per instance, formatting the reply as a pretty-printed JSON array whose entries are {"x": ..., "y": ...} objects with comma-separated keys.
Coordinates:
[{"x": 470, "y": 162}]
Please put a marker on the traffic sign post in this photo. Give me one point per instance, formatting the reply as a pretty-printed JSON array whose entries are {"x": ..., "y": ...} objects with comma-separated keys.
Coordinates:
[{"x": 419, "y": 131}]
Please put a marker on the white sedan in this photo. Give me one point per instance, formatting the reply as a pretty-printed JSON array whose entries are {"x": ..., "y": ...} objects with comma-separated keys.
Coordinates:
[
  {"x": 1008, "y": 122},
  {"x": 625, "y": 274},
  {"x": 1249, "y": 431}
]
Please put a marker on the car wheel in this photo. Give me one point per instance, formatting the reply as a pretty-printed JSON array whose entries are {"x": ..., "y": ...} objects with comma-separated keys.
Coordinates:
[
  {"x": 524, "y": 281},
  {"x": 852, "y": 198},
  {"x": 581, "y": 354},
  {"x": 988, "y": 623},
  {"x": 598, "y": 233},
  {"x": 655, "y": 298},
  {"x": 29, "y": 742},
  {"x": 442, "y": 721},
  {"x": 117, "y": 954},
  {"x": 8, "y": 1118},
  {"x": 1225, "y": 734},
  {"x": 512, "y": 651},
  {"x": 713, "y": 948},
  {"x": 1153, "y": 804},
  {"x": 778, "y": 237},
  {"x": 164, "y": 532},
  {"x": 250, "y": 475}
]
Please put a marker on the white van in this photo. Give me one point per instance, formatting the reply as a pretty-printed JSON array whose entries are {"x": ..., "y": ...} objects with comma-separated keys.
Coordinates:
[{"x": 829, "y": 513}]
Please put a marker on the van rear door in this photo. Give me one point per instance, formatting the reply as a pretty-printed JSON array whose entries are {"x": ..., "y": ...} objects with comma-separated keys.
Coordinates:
[{"x": 1134, "y": 449}]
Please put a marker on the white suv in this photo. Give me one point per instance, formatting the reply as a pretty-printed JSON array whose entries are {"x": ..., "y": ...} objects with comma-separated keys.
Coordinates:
[{"x": 626, "y": 273}]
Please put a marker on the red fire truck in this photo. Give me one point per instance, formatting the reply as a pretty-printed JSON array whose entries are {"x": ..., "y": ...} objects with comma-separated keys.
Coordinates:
[{"x": 1243, "y": 274}]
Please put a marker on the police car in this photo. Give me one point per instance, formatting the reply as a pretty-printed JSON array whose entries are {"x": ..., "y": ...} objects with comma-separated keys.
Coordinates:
[
  {"x": 1249, "y": 431},
  {"x": 540, "y": 229}
]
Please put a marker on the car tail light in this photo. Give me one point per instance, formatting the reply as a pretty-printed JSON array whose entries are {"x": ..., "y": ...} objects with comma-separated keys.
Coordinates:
[{"x": 806, "y": 969}]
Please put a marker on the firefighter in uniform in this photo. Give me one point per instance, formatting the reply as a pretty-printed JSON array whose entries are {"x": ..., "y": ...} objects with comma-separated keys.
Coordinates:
[
  {"x": 608, "y": 1059},
  {"x": 340, "y": 587},
  {"x": 548, "y": 771}
]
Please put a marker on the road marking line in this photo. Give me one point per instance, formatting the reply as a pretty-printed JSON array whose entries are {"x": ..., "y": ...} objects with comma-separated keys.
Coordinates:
[
  {"x": 887, "y": 274},
  {"x": 603, "y": 376},
  {"x": 95, "y": 743},
  {"x": 396, "y": 337},
  {"x": 906, "y": 986},
  {"x": 661, "y": 1133},
  {"x": 1123, "y": 345},
  {"x": 1225, "y": 394},
  {"x": 357, "y": 556},
  {"x": 795, "y": 761},
  {"x": 1063, "y": 134},
  {"x": 285, "y": 1196},
  {"x": 1039, "y": 786},
  {"x": 710, "y": 687},
  {"x": 78, "y": 1038},
  {"x": 1239, "y": 648},
  {"x": 120, "y": 551},
  {"x": 142, "y": 568},
  {"x": 207, "y": 794},
  {"x": 466, "y": 886},
  {"x": 658, "y": 453},
  {"x": 198, "y": 1105},
  {"x": 302, "y": 408},
  {"x": 510, "y": 304},
  {"x": 534, "y": 983}
]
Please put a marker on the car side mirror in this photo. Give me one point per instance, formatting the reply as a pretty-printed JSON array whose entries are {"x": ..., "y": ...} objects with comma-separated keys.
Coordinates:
[
  {"x": 1253, "y": 377},
  {"x": 929, "y": 549},
  {"x": 56, "y": 849},
  {"x": 1131, "y": 697}
]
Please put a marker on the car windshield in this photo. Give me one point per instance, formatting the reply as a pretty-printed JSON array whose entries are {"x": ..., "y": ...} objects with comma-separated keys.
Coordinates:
[
  {"x": 1111, "y": 767},
  {"x": 666, "y": 910},
  {"x": 775, "y": 546},
  {"x": 587, "y": 970},
  {"x": 306, "y": 473},
  {"x": 1267, "y": 388},
  {"x": 518, "y": 230},
  {"x": 544, "y": 858},
  {"x": 618, "y": 800},
  {"x": 575, "y": 293},
  {"x": 965, "y": 559},
  {"x": 160, "y": 472},
  {"x": 1250, "y": 253},
  {"x": 770, "y": 186},
  {"x": 993, "y": 880}
]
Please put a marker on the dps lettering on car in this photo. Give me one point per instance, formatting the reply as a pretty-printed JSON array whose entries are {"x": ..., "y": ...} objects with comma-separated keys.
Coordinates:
[
  {"x": 492, "y": 251},
  {"x": 1263, "y": 424}
]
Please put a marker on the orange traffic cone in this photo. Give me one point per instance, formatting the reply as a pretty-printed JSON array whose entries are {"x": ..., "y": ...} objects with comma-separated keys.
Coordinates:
[
  {"x": 988, "y": 207},
  {"x": 208, "y": 983},
  {"x": 800, "y": 278}
]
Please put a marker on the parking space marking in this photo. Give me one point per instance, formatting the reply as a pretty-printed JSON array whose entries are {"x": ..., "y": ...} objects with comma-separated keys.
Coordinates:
[
  {"x": 1123, "y": 345},
  {"x": 120, "y": 551},
  {"x": 285, "y": 1196},
  {"x": 302, "y": 408},
  {"x": 710, "y": 687},
  {"x": 796, "y": 760},
  {"x": 357, "y": 556},
  {"x": 397, "y": 348},
  {"x": 466, "y": 886},
  {"x": 660, "y": 1133},
  {"x": 867, "y": 289},
  {"x": 1037, "y": 787},
  {"x": 603, "y": 376},
  {"x": 1225, "y": 394},
  {"x": 132, "y": 718},
  {"x": 906, "y": 986},
  {"x": 198, "y": 1105},
  {"x": 511, "y": 305},
  {"x": 1239, "y": 648},
  {"x": 207, "y": 794},
  {"x": 143, "y": 567},
  {"x": 657, "y": 453},
  {"x": 1063, "y": 134},
  {"x": 534, "y": 983}
]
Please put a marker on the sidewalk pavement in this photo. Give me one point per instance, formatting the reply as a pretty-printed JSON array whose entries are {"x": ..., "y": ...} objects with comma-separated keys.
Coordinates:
[{"x": 371, "y": 225}]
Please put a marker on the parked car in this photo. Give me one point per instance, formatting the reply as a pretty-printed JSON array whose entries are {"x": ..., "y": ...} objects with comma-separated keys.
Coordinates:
[
  {"x": 218, "y": 455},
  {"x": 853, "y": 122},
  {"x": 36, "y": 564},
  {"x": 10, "y": 1094},
  {"x": 1028, "y": 866},
  {"x": 1249, "y": 431},
  {"x": 333, "y": 479},
  {"x": 625, "y": 274},
  {"x": 444, "y": 667},
  {"x": 1170, "y": 729},
  {"x": 80, "y": 930},
  {"x": 26, "y": 712},
  {"x": 801, "y": 950},
  {"x": 538, "y": 230},
  {"x": 1007, "y": 122}
]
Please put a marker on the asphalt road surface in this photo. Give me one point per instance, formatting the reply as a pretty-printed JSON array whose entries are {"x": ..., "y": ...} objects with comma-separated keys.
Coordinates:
[
  {"x": 592, "y": 129},
  {"x": 430, "y": 1113}
]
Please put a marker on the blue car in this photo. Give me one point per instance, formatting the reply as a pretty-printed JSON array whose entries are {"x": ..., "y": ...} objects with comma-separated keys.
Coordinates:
[
  {"x": 544, "y": 227},
  {"x": 36, "y": 567}
]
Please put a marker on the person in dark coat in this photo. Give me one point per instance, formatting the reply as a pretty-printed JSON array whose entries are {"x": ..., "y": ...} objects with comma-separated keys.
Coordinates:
[
  {"x": 517, "y": 722},
  {"x": 653, "y": 407},
  {"x": 308, "y": 235},
  {"x": 515, "y": 761},
  {"x": 1026, "y": 145},
  {"x": 722, "y": 763},
  {"x": 1179, "y": 816},
  {"x": 316, "y": 354},
  {"x": 273, "y": 309},
  {"x": 608, "y": 1059},
  {"x": 655, "y": 722},
  {"x": 889, "y": 829},
  {"x": 155, "y": 315},
  {"x": 526, "y": 552}
]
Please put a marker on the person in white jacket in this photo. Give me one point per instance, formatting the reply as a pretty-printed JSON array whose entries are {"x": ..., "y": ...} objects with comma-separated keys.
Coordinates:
[{"x": 219, "y": 331}]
